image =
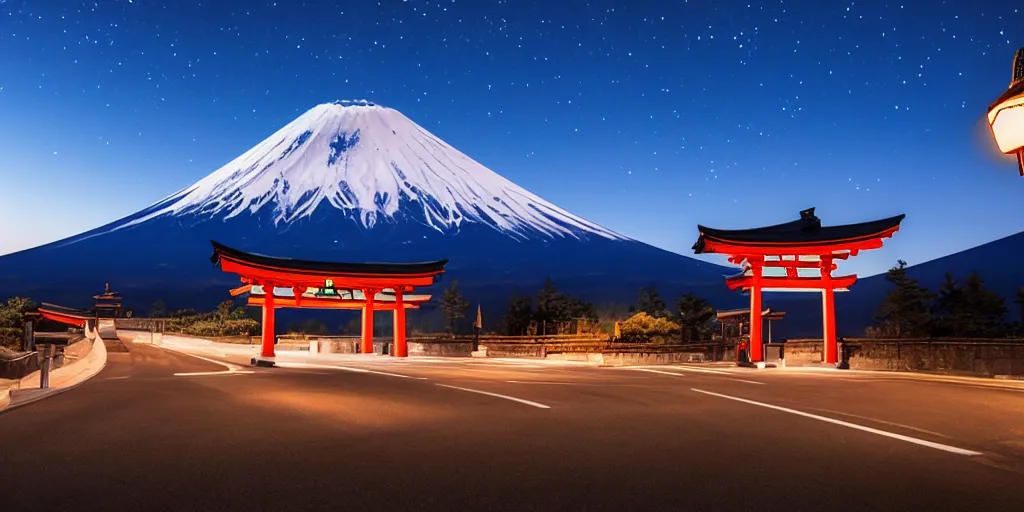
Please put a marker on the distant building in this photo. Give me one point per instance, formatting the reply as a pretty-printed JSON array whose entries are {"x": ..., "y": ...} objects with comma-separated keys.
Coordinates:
[
  {"x": 733, "y": 322},
  {"x": 107, "y": 304}
]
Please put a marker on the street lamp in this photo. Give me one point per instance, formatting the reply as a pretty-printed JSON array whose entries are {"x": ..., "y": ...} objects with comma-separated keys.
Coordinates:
[{"x": 1006, "y": 114}]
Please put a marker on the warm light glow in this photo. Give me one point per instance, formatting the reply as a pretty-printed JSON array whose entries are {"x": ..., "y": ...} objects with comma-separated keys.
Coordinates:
[{"x": 1007, "y": 123}]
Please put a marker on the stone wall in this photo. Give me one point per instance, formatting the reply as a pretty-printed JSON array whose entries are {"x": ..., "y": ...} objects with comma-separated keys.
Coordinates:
[
  {"x": 505, "y": 349},
  {"x": 633, "y": 358},
  {"x": 338, "y": 346},
  {"x": 454, "y": 348},
  {"x": 802, "y": 352},
  {"x": 984, "y": 358},
  {"x": 19, "y": 366}
]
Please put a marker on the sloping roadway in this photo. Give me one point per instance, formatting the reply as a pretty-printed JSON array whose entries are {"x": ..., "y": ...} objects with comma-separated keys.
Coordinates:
[{"x": 159, "y": 430}]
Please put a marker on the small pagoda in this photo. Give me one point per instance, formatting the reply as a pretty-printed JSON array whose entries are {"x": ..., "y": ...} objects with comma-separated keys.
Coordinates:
[{"x": 107, "y": 304}]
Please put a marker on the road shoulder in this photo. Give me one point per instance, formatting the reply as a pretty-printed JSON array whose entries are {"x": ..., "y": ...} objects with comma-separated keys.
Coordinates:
[{"x": 26, "y": 390}]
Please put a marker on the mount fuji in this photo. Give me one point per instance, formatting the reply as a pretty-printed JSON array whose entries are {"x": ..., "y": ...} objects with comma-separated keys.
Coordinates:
[{"x": 354, "y": 181}]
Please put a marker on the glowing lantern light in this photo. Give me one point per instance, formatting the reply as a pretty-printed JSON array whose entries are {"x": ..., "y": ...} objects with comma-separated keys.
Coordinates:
[{"x": 1006, "y": 114}]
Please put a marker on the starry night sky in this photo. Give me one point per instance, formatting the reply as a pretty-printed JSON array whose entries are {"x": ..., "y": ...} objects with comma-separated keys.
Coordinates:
[{"x": 645, "y": 116}]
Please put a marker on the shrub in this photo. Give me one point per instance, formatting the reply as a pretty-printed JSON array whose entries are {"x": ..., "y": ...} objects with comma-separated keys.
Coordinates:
[
  {"x": 10, "y": 337},
  {"x": 243, "y": 327},
  {"x": 644, "y": 327}
]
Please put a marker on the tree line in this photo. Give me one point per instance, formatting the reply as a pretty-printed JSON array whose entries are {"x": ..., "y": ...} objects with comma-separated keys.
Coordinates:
[
  {"x": 11, "y": 325},
  {"x": 228, "y": 319},
  {"x": 958, "y": 309},
  {"x": 691, "y": 319},
  {"x": 551, "y": 311},
  {"x": 547, "y": 312}
]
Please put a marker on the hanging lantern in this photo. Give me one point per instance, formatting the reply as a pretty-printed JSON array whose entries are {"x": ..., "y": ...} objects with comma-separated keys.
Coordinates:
[{"x": 1006, "y": 114}]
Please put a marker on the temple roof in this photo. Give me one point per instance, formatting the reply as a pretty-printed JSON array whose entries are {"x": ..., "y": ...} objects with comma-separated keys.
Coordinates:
[
  {"x": 805, "y": 231},
  {"x": 270, "y": 262},
  {"x": 66, "y": 311}
]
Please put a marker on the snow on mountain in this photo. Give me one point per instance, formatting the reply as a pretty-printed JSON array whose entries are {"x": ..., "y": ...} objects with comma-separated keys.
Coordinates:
[
  {"x": 371, "y": 162},
  {"x": 353, "y": 181}
]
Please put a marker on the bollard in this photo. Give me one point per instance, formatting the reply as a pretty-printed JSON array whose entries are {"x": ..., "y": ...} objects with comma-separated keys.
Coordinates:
[
  {"x": 29, "y": 341},
  {"x": 44, "y": 372}
]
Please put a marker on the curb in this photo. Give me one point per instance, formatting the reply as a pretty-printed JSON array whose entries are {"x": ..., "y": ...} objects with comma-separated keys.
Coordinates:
[{"x": 97, "y": 347}]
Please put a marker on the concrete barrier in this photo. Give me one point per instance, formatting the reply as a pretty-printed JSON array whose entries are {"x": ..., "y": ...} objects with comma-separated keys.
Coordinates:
[
  {"x": 106, "y": 329},
  {"x": 90, "y": 329}
]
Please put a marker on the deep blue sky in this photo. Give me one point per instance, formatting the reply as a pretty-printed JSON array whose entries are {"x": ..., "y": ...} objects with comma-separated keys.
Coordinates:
[{"x": 645, "y": 116}]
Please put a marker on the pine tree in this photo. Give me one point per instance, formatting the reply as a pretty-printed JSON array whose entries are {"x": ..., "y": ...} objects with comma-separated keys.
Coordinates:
[
  {"x": 555, "y": 308},
  {"x": 695, "y": 315},
  {"x": 649, "y": 302},
  {"x": 224, "y": 310},
  {"x": 969, "y": 310},
  {"x": 948, "y": 308},
  {"x": 518, "y": 315},
  {"x": 551, "y": 305},
  {"x": 1019, "y": 301},
  {"x": 158, "y": 310},
  {"x": 984, "y": 313},
  {"x": 453, "y": 305},
  {"x": 905, "y": 311}
]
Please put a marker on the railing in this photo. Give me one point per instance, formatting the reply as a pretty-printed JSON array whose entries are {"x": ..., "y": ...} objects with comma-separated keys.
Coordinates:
[{"x": 141, "y": 324}]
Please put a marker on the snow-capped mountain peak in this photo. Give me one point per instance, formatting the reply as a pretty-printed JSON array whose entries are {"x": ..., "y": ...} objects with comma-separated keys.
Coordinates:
[{"x": 372, "y": 162}]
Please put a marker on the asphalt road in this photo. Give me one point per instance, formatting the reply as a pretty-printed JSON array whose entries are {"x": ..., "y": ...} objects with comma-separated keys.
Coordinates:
[{"x": 426, "y": 435}]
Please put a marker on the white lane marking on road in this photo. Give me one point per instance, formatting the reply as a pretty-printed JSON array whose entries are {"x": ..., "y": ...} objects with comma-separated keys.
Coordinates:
[
  {"x": 231, "y": 368},
  {"x": 748, "y": 381},
  {"x": 702, "y": 370},
  {"x": 648, "y": 370},
  {"x": 229, "y": 372},
  {"x": 900, "y": 425},
  {"x": 541, "y": 382},
  {"x": 118, "y": 378},
  {"x": 346, "y": 368},
  {"x": 901, "y": 437},
  {"x": 214, "y": 361},
  {"x": 496, "y": 395}
]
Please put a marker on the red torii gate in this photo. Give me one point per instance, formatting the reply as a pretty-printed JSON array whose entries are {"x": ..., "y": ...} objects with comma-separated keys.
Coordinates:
[
  {"x": 803, "y": 244},
  {"x": 366, "y": 286}
]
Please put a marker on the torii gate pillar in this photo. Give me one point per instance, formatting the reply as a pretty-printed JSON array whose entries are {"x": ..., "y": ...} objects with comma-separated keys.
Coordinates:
[
  {"x": 267, "y": 350},
  {"x": 366, "y": 343}
]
